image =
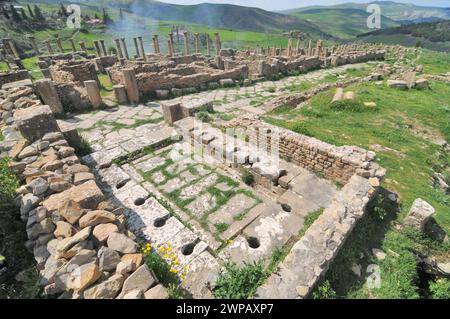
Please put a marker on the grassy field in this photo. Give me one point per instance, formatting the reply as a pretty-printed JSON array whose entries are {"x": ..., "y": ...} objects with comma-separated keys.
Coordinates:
[{"x": 402, "y": 130}]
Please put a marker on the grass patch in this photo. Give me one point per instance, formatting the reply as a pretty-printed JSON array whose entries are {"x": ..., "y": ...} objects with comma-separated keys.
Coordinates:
[
  {"x": 309, "y": 220},
  {"x": 239, "y": 282},
  {"x": 221, "y": 227},
  {"x": 13, "y": 236}
]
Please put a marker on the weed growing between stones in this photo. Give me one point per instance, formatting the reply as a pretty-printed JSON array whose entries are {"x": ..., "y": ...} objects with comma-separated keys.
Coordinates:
[
  {"x": 83, "y": 149},
  {"x": 165, "y": 265},
  {"x": 248, "y": 178}
]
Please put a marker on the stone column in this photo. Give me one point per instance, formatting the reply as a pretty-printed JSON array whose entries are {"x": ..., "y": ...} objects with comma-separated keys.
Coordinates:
[
  {"x": 121, "y": 94},
  {"x": 83, "y": 46},
  {"x": 34, "y": 45},
  {"x": 46, "y": 90},
  {"x": 141, "y": 47},
  {"x": 119, "y": 49},
  {"x": 72, "y": 43},
  {"x": 217, "y": 43},
  {"x": 186, "y": 43},
  {"x": 197, "y": 43},
  {"x": 58, "y": 42},
  {"x": 97, "y": 49},
  {"x": 49, "y": 47},
  {"x": 124, "y": 48},
  {"x": 138, "y": 54},
  {"x": 102, "y": 44},
  {"x": 208, "y": 44},
  {"x": 129, "y": 77},
  {"x": 297, "y": 49},
  {"x": 93, "y": 93},
  {"x": 310, "y": 48},
  {"x": 13, "y": 48}
]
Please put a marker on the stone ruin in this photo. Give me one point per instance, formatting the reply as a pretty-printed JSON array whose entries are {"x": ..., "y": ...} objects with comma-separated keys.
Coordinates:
[{"x": 170, "y": 180}]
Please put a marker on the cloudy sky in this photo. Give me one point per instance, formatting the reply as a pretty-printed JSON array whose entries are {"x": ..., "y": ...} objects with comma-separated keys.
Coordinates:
[{"x": 289, "y": 4}]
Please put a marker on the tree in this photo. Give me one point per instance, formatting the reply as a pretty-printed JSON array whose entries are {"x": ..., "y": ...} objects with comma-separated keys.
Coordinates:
[
  {"x": 30, "y": 11},
  {"x": 22, "y": 12},
  {"x": 15, "y": 15},
  {"x": 38, "y": 14}
]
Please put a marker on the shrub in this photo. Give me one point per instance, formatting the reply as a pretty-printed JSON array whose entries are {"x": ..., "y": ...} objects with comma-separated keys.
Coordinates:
[
  {"x": 221, "y": 227},
  {"x": 440, "y": 289},
  {"x": 324, "y": 291},
  {"x": 203, "y": 116},
  {"x": 300, "y": 128},
  {"x": 240, "y": 282},
  {"x": 248, "y": 178}
]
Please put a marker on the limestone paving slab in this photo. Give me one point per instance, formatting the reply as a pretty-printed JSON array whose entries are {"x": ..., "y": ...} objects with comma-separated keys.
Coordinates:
[{"x": 237, "y": 205}]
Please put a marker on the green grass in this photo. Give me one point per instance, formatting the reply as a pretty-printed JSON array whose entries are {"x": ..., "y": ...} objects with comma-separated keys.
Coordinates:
[{"x": 397, "y": 123}]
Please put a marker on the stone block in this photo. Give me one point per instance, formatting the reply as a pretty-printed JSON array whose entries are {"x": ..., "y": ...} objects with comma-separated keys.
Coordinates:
[
  {"x": 46, "y": 90},
  {"x": 36, "y": 121},
  {"x": 172, "y": 112}
]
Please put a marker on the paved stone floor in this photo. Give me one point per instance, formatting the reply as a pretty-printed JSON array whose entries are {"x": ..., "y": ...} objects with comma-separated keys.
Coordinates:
[{"x": 203, "y": 209}]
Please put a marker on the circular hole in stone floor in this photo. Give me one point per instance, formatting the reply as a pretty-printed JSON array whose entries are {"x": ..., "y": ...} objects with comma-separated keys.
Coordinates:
[
  {"x": 253, "y": 242},
  {"x": 287, "y": 208},
  {"x": 159, "y": 222},
  {"x": 121, "y": 184},
  {"x": 188, "y": 249},
  {"x": 140, "y": 201}
]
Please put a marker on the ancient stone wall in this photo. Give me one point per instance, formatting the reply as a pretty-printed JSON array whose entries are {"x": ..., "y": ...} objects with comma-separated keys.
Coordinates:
[
  {"x": 150, "y": 82},
  {"x": 337, "y": 163},
  {"x": 311, "y": 256}
]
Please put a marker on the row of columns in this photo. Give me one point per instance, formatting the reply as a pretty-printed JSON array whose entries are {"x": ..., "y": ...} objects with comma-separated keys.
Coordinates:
[{"x": 122, "y": 50}]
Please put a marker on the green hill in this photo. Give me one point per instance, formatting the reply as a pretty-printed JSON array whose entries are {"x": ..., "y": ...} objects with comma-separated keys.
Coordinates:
[
  {"x": 341, "y": 23},
  {"x": 393, "y": 10},
  {"x": 213, "y": 15},
  {"x": 433, "y": 35}
]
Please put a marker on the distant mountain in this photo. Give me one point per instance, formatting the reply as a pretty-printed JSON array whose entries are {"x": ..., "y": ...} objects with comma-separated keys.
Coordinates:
[
  {"x": 395, "y": 11},
  {"x": 341, "y": 23},
  {"x": 215, "y": 15},
  {"x": 433, "y": 35}
]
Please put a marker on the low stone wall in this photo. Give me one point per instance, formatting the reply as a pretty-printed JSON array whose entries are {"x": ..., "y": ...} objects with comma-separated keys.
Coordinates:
[
  {"x": 151, "y": 82},
  {"x": 334, "y": 162},
  {"x": 73, "y": 97},
  {"x": 311, "y": 256},
  {"x": 80, "y": 241},
  {"x": 13, "y": 76},
  {"x": 356, "y": 57}
]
